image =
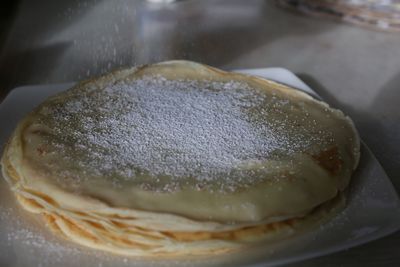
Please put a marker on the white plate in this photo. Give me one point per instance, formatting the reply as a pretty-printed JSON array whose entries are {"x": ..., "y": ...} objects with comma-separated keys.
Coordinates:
[{"x": 373, "y": 210}]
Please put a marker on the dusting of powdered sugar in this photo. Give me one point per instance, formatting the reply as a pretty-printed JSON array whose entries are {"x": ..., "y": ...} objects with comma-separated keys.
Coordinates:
[
  {"x": 25, "y": 242},
  {"x": 176, "y": 131},
  {"x": 24, "y": 238}
]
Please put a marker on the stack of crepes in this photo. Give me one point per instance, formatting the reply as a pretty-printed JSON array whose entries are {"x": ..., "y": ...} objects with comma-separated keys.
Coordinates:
[{"x": 178, "y": 158}]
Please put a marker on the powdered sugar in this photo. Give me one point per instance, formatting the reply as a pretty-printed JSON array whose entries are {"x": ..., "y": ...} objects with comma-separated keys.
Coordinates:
[
  {"x": 23, "y": 234},
  {"x": 26, "y": 243},
  {"x": 175, "y": 131}
]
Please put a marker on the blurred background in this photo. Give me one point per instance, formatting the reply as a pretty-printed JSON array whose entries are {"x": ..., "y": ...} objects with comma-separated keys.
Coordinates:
[{"x": 354, "y": 66}]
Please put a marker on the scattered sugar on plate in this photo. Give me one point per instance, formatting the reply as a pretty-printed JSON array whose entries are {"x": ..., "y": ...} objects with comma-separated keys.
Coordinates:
[{"x": 25, "y": 234}]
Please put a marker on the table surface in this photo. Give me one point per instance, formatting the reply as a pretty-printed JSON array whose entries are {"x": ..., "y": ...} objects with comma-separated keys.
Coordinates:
[{"x": 352, "y": 68}]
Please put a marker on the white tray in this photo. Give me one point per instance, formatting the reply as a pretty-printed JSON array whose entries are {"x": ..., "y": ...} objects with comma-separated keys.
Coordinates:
[{"x": 373, "y": 210}]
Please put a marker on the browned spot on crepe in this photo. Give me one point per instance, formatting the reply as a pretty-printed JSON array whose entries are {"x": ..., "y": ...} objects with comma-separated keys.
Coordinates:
[{"x": 329, "y": 160}]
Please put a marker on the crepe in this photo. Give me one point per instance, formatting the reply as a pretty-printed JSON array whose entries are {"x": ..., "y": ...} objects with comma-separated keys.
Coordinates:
[{"x": 179, "y": 158}]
